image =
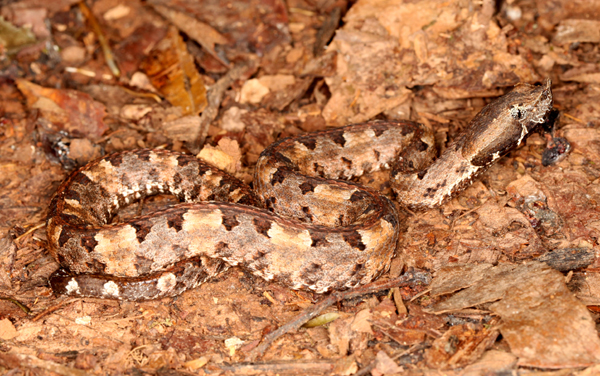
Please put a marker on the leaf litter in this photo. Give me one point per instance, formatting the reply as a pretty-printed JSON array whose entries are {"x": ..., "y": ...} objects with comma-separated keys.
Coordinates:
[{"x": 226, "y": 80}]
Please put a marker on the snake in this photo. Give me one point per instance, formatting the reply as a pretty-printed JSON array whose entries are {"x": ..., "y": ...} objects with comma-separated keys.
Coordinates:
[{"x": 305, "y": 223}]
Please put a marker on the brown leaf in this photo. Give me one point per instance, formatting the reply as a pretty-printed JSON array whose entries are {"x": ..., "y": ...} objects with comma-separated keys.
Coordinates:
[
  {"x": 182, "y": 129},
  {"x": 226, "y": 155},
  {"x": 68, "y": 110},
  {"x": 456, "y": 277},
  {"x": 386, "y": 365},
  {"x": 544, "y": 324},
  {"x": 459, "y": 346},
  {"x": 403, "y": 40},
  {"x": 340, "y": 334},
  {"x": 571, "y": 31},
  {"x": 493, "y": 362},
  {"x": 361, "y": 322},
  {"x": 172, "y": 71},
  {"x": 202, "y": 33},
  {"x": 489, "y": 286},
  {"x": 7, "y": 330},
  {"x": 412, "y": 329}
]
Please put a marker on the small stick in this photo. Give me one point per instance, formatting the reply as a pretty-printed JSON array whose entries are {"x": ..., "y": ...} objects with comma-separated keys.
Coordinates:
[
  {"x": 14, "y": 301},
  {"x": 49, "y": 310},
  {"x": 311, "y": 367},
  {"x": 311, "y": 312},
  {"x": 108, "y": 55},
  {"x": 215, "y": 97},
  {"x": 32, "y": 229}
]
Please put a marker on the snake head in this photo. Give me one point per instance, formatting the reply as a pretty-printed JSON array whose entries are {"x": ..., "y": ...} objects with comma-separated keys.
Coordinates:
[{"x": 506, "y": 122}]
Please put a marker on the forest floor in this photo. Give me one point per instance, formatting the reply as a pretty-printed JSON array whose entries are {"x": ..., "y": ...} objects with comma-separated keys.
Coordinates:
[{"x": 503, "y": 279}]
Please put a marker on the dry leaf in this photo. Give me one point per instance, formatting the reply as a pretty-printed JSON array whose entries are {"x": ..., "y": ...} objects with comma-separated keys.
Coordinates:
[
  {"x": 345, "y": 366},
  {"x": 232, "y": 119},
  {"x": 456, "y": 277},
  {"x": 226, "y": 155},
  {"x": 340, "y": 334},
  {"x": 68, "y": 110},
  {"x": 361, "y": 322},
  {"x": 544, "y": 324},
  {"x": 253, "y": 91},
  {"x": 171, "y": 70},
  {"x": 7, "y": 330},
  {"x": 459, "y": 346},
  {"x": 492, "y": 362},
  {"x": 12, "y": 37},
  {"x": 397, "y": 44},
  {"x": 202, "y": 33},
  {"x": 8, "y": 250},
  {"x": 384, "y": 365},
  {"x": 184, "y": 128},
  {"x": 571, "y": 31},
  {"x": 196, "y": 363}
]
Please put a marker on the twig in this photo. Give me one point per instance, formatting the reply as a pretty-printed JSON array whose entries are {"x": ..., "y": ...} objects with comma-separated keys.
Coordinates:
[
  {"x": 24, "y": 361},
  {"x": 215, "y": 97},
  {"x": 309, "y": 313},
  {"x": 108, "y": 55},
  {"x": 311, "y": 367},
  {"x": 14, "y": 301},
  {"x": 32, "y": 229},
  {"x": 49, "y": 310}
]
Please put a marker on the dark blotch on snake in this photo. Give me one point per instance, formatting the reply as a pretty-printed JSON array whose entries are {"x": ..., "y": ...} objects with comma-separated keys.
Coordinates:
[
  {"x": 307, "y": 186},
  {"x": 229, "y": 222},
  {"x": 262, "y": 225},
  {"x": 354, "y": 239}
]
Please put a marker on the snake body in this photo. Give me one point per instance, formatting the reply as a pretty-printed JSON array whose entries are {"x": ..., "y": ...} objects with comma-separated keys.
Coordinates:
[{"x": 305, "y": 224}]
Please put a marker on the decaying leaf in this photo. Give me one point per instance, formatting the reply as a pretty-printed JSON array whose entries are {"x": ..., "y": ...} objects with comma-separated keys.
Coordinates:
[
  {"x": 398, "y": 44},
  {"x": 182, "y": 129},
  {"x": 386, "y": 365},
  {"x": 492, "y": 362},
  {"x": 572, "y": 31},
  {"x": 172, "y": 71},
  {"x": 361, "y": 322},
  {"x": 545, "y": 325},
  {"x": 12, "y": 37},
  {"x": 68, "y": 110},
  {"x": 459, "y": 346},
  {"x": 202, "y": 33},
  {"x": 7, "y": 330},
  {"x": 226, "y": 155}
]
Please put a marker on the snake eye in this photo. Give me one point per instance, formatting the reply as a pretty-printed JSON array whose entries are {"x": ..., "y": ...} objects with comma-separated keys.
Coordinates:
[{"x": 517, "y": 112}]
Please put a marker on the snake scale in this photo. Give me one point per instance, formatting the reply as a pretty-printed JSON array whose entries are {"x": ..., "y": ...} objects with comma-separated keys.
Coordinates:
[{"x": 305, "y": 224}]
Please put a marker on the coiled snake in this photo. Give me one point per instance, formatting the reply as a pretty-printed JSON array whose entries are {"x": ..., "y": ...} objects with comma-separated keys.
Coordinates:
[{"x": 304, "y": 225}]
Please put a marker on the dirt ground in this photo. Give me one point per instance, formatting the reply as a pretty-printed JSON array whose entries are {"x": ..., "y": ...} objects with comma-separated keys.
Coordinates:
[{"x": 504, "y": 279}]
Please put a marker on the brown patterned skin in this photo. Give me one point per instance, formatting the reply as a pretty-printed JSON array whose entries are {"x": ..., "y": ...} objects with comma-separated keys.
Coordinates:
[{"x": 302, "y": 225}]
